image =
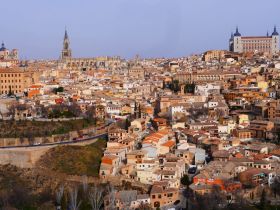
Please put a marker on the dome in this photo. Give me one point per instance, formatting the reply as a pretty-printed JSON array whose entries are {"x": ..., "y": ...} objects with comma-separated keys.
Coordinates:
[
  {"x": 3, "y": 48},
  {"x": 237, "y": 32},
  {"x": 275, "y": 33}
]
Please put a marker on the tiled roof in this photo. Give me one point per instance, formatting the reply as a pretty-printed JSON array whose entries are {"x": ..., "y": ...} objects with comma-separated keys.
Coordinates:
[{"x": 169, "y": 144}]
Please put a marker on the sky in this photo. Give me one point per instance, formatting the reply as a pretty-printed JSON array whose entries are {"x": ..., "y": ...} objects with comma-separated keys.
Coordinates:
[{"x": 149, "y": 28}]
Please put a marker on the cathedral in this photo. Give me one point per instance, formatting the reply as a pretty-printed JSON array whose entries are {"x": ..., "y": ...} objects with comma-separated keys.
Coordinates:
[
  {"x": 264, "y": 44},
  {"x": 67, "y": 62}
]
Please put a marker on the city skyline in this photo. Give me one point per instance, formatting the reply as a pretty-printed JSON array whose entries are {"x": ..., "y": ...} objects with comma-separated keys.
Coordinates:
[{"x": 124, "y": 28}]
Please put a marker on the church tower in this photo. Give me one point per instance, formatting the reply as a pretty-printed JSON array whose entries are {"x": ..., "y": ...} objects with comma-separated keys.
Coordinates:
[{"x": 66, "y": 51}]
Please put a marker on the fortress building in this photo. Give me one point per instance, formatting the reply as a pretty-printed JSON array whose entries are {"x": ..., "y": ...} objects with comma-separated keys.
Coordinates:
[{"x": 264, "y": 44}]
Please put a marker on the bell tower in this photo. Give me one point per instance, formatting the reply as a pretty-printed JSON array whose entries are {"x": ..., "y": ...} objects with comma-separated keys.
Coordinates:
[{"x": 66, "y": 51}]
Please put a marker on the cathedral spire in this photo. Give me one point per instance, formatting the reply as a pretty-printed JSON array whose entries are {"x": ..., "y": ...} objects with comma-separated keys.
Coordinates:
[
  {"x": 65, "y": 34},
  {"x": 66, "y": 51}
]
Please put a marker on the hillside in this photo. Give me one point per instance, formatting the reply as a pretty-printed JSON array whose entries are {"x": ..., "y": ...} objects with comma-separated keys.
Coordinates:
[
  {"x": 75, "y": 160},
  {"x": 26, "y": 128}
]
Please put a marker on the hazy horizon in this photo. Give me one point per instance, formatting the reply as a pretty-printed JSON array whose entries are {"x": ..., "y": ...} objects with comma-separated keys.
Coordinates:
[{"x": 150, "y": 28}]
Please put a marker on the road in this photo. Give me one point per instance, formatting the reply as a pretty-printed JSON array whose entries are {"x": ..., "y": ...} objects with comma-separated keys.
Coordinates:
[{"x": 101, "y": 135}]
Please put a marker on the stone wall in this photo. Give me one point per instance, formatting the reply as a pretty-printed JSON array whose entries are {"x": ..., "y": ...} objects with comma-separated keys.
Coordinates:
[
  {"x": 8, "y": 142},
  {"x": 22, "y": 157}
]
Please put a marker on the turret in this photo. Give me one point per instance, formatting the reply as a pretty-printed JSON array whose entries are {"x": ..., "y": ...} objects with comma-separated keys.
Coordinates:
[
  {"x": 275, "y": 41},
  {"x": 275, "y": 33},
  {"x": 237, "y": 43},
  {"x": 237, "y": 32}
]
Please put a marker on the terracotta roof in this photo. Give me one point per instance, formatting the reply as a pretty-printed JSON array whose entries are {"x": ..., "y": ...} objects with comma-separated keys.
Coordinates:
[
  {"x": 275, "y": 152},
  {"x": 108, "y": 159},
  {"x": 169, "y": 143},
  {"x": 221, "y": 153},
  {"x": 156, "y": 189}
]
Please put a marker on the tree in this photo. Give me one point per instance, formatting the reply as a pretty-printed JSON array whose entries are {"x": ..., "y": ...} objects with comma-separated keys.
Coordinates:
[
  {"x": 30, "y": 137},
  {"x": 43, "y": 111},
  {"x": 163, "y": 84},
  {"x": 139, "y": 145},
  {"x": 189, "y": 87},
  {"x": 277, "y": 136},
  {"x": 212, "y": 201},
  {"x": 58, "y": 90},
  {"x": 74, "y": 203},
  {"x": 96, "y": 197},
  {"x": 10, "y": 91},
  {"x": 139, "y": 111},
  {"x": 174, "y": 86},
  {"x": 111, "y": 192},
  {"x": 12, "y": 110},
  {"x": 262, "y": 70},
  {"x": 154, "y": 124},
  {"x": 85, "y": 184},
  {"x": 276, "y": 186},
  {"x": 59, "y": 194},
  {"x": 91, "y": 113},
  {"x": 127, "y": 124},
  {"x": 263, "y": 200},
  {"x": 135, "y": 109},
  {"x": 185, "y": 180},
  {"x": 144, "y": 206},
  {"x": 74, "y": 109},
  {"x": 196, "y": 112}
]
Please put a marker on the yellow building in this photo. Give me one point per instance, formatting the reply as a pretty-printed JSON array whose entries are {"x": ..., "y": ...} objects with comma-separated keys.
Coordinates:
[
  {"x": 213, "y": 55},
  {"x": 263, "y": 85},
  {"x": 243, "y": 119},
  {"x": 16, "y": 80}
]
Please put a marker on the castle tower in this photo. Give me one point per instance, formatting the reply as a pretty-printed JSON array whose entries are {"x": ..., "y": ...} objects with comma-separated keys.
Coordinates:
[
  {"x": 231, "y": 44},
  {"x": 275, "y": 41},
  {"x": 237, "y": 43},
  {"x": 66, "y": 51}
]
